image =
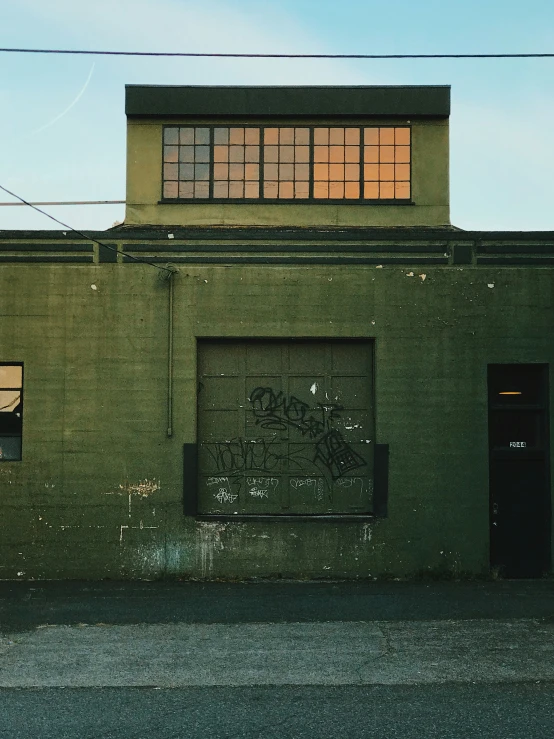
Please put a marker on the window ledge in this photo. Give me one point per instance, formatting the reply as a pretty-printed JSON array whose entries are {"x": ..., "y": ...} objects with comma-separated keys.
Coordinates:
[
  {"x": 286, "y": 517},
  {"x": 259, "y": 201}
]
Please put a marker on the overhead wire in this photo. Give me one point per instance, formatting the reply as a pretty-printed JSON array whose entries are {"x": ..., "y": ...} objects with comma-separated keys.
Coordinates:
[
  {"x": 246, "y": 55},
  {"x": 83, "y": 235}
]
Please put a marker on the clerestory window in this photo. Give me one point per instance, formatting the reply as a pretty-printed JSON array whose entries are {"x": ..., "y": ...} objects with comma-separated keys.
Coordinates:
[
  {"x": 11, "y": 411},
  {"x": 276, "y": 164}
]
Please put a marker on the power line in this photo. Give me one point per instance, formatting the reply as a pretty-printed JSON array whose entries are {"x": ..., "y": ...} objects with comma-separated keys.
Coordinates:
[
  {"x": 80, "y": 233},
  {"x": 65, "y": 202},
  {"x": 225, "y": 55}
]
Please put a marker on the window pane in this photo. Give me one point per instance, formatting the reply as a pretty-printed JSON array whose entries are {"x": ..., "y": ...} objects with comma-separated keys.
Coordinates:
[
  {"x": 321, "y": 135},
  {"x": 286, "y": 190},
  {"x": 271, "y": 189},
  {"x": 286, "y": 171},
  {"x": 186, "y": 172},
  {"x": 236, "y": 171},
  {"x": 402, "y": 136},
  {"x": 186, "y": 189},
  {"x": 252, "y": 136},
  {"x": 321, "y": 171},
  {"x": 202, "y": 171},
  {"x": 171, "y": 190},
  {"x": 302, "y": 154},
  {"x": 236, "y": 153},
  {"x": 171, "y": 171},
  {"x": 371, "y": 172},
  {"x": 321, "y": 189},
  {"x": 171, "y": 153},
  {"x": 202, "y": 136},
  {"x": 302, "y": 172},
  {"x": 271, "y": 136},
  {"x": 221, "y": 189},
  {"x": 9, "y": 400},
  {"x": 402, "y": 153},
  {"x": 336, "y": 136},
  {"x": 252, "y": 154},
  {"x": 371, "y": 190},
  {"x": 352, "y": 172},
  {"x": 402, "y": 172},
  {"x": 352, "y": 190},
  {"x": 352, "y": 136},
  {"x": 336, "y": 171},
  {"x": 371, "y": 136},
  {"x": 302, "y": 136},
  {"x": 271, "y": 153},
  {"x": 171, "y": 136},
  {"x": 221, "y": 135},
  {"x": 271, "y": 171},
  {"x": 236, "y": 189},
  {"x": 336, "y": 153},
  {"x": 386, "y": 190},
  {"x": 371, "y": 154},
  {"x": 252, "y": 171},
  {"x": 221, "y": 154},
  {"x": 386, "y": 136},
  {"x": 236, "y": 135},
  {"x": 286, "y": 153},
  {"x": 301, "y": 190},
  {"x": 202, "y": 153},
  {"x": 221, "y": 171},
  {"x": 321, "y": 153},
  {"x": 10, "y": 448},
  {"x": 386, "y": 154},
  {"x": 202, "y": 190},
  {"x": 186, "y": 136},
  {"x": 186, "y": 154},
  {"x": 252, "y": 190},
  {"x": 286, "y": 136},
  {"x": 352, "y": 154},
  {"x": 402, "y": 190},
  {"x": 386, "y": 172},
  {"x": 336, "y": 189}
]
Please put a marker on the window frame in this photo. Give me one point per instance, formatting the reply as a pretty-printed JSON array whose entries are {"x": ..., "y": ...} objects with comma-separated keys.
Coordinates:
[
  {"x": 20, "y": 435},
  {"x": 287, "y": 201}
]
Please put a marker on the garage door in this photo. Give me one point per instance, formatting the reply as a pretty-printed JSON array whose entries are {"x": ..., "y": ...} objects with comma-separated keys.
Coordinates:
[{"x": 285, "y": 427}]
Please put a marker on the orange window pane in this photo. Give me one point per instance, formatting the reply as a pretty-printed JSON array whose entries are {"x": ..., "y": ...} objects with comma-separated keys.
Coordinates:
[
  {"x": 402, "y": 154},
  {"x": 9, "y": 400},
  {"x": 336, "y": 171},
  {"x": 371, "y": 136},
  {"x": 321, "y": 153},
  {"x": 402, "y": 172},
  {"x": 251, "y": 135},
  {"x": 402, "y": 190},
  {"x": 171, "y": 189},
  {"x": 352, "y": 136},
  {"x": 221, "y": 153},
  {"x": 336, "y": 154},
  {"x": 371, "y": 190},
  {"x": 251, "y": 171},
  {"x": 336, "y": 135},
  {"x": 286, "y": 189},
  {"x": 236, "y": 135},
  {"x": 286, "y": 135},
  {"x": 301, "y": 190},
  {"x": 11, "y": 377},
  {"x": 336, "y": 190},
  {"x": 386, "y": 172},
  {"x": 371, "y": 154},
  {"x": 186, "y": 136},
  {"x": 271, "y": 136},
  {"x": 251, "y": 190},
  {"x": 302, "y": 154},
  {"x": 186, "y": 189},
  {"x": 321, "y": 171},
  {"x": 352, "y": 172},
  {"x": 252, "y": 154},
  {"x": 236, "y": 189},
  {"x": 386, "y": 136},
  {"x": 271, "y": 189},
  {"x": 171, "y": 136},
  {"x": 221, "y": 189},
  {"x": 286, "y": 171},
  {"x": 301, "y": 135},
  {"x": 351, "y": 153},
  {"x": 321, "y": 136},
  {"x": 286, "y": 153},
  {"x": 202, "y": 190},
  {"x": 271, "y": 153},
  {"x": 202, "y": 136},
  {"x": 321, "y": 189},
  {"x": 387, "y": 154},
  {"x": 352, "y": 190},
  {"x": 402, "y": 136},
  {"x": 236, "y": 171},
  {"x": 236, "y": 153},
  {"x": 271, "y": 171},
  {"x": 171, "y": 171},
  {"x": 221, "y": 135},
  {"x": 386, "y": 190},
  {"x": 371, "y": 172},
  {"x": 221, "y": 171},
  {"x": 171, "y": 153},
  {"x": 302, "y": 172}
]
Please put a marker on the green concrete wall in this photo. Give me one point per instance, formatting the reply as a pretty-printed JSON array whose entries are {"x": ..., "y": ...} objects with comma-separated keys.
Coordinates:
[
  {"x": 430, "y": 188},
  {"x": 99, "y": 491}
]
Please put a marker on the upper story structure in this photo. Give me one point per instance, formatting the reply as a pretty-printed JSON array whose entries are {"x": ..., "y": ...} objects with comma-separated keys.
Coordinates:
[{"x": 288, "y": 156}]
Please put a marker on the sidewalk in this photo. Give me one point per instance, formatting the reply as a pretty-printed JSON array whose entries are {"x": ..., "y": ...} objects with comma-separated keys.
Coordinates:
[{"x": 274, "y": 633}]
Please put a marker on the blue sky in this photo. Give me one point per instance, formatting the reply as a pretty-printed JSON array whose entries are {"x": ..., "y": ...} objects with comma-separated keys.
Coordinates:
[{"x": 502, "y": 148}]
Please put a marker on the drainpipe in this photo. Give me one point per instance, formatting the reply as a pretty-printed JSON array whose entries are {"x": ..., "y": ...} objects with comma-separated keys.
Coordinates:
[{"x": 169, "y": 276}]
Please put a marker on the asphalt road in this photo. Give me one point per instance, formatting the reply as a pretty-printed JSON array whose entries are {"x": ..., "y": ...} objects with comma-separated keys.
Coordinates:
[{"x": 520, "y": 711}]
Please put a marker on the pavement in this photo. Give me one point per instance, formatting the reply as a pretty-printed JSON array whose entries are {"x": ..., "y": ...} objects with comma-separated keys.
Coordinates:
[{"x": 429, "y": 646}]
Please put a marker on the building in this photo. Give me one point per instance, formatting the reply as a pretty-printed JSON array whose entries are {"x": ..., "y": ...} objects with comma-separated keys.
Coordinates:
[{"x": 285, "y": 363}]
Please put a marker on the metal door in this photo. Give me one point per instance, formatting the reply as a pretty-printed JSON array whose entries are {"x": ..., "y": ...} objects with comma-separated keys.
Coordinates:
[
  {"x": 519, "y": 469},
  {"x": 285, "y": 427}
]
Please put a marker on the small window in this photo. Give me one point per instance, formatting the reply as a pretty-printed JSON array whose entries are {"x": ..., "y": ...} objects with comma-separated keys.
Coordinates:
[
  {"x": 294, "y": 164},
  {"x": 11, "y": 411}
]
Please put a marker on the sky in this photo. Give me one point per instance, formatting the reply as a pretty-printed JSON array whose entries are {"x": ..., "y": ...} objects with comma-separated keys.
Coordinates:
[{"x": 62, "y": 122}]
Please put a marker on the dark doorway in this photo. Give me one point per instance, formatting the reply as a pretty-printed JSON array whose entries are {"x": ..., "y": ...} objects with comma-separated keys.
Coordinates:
[{"x": 519, "y": 469}]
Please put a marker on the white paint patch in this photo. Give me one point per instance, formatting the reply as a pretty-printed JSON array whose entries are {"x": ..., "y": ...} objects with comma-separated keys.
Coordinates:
[
  {"x": 170, "y": 236},
  {"x": 409, "y": 274},
  {"x": 491, "y": 285},
  {"x": 366, "y": 533},
  {"x": 208, "y": 540},
  {"x": 313, "y": 388},
  {"x": 423, "y": 277},
  {"x": 93, "y": 287}
]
